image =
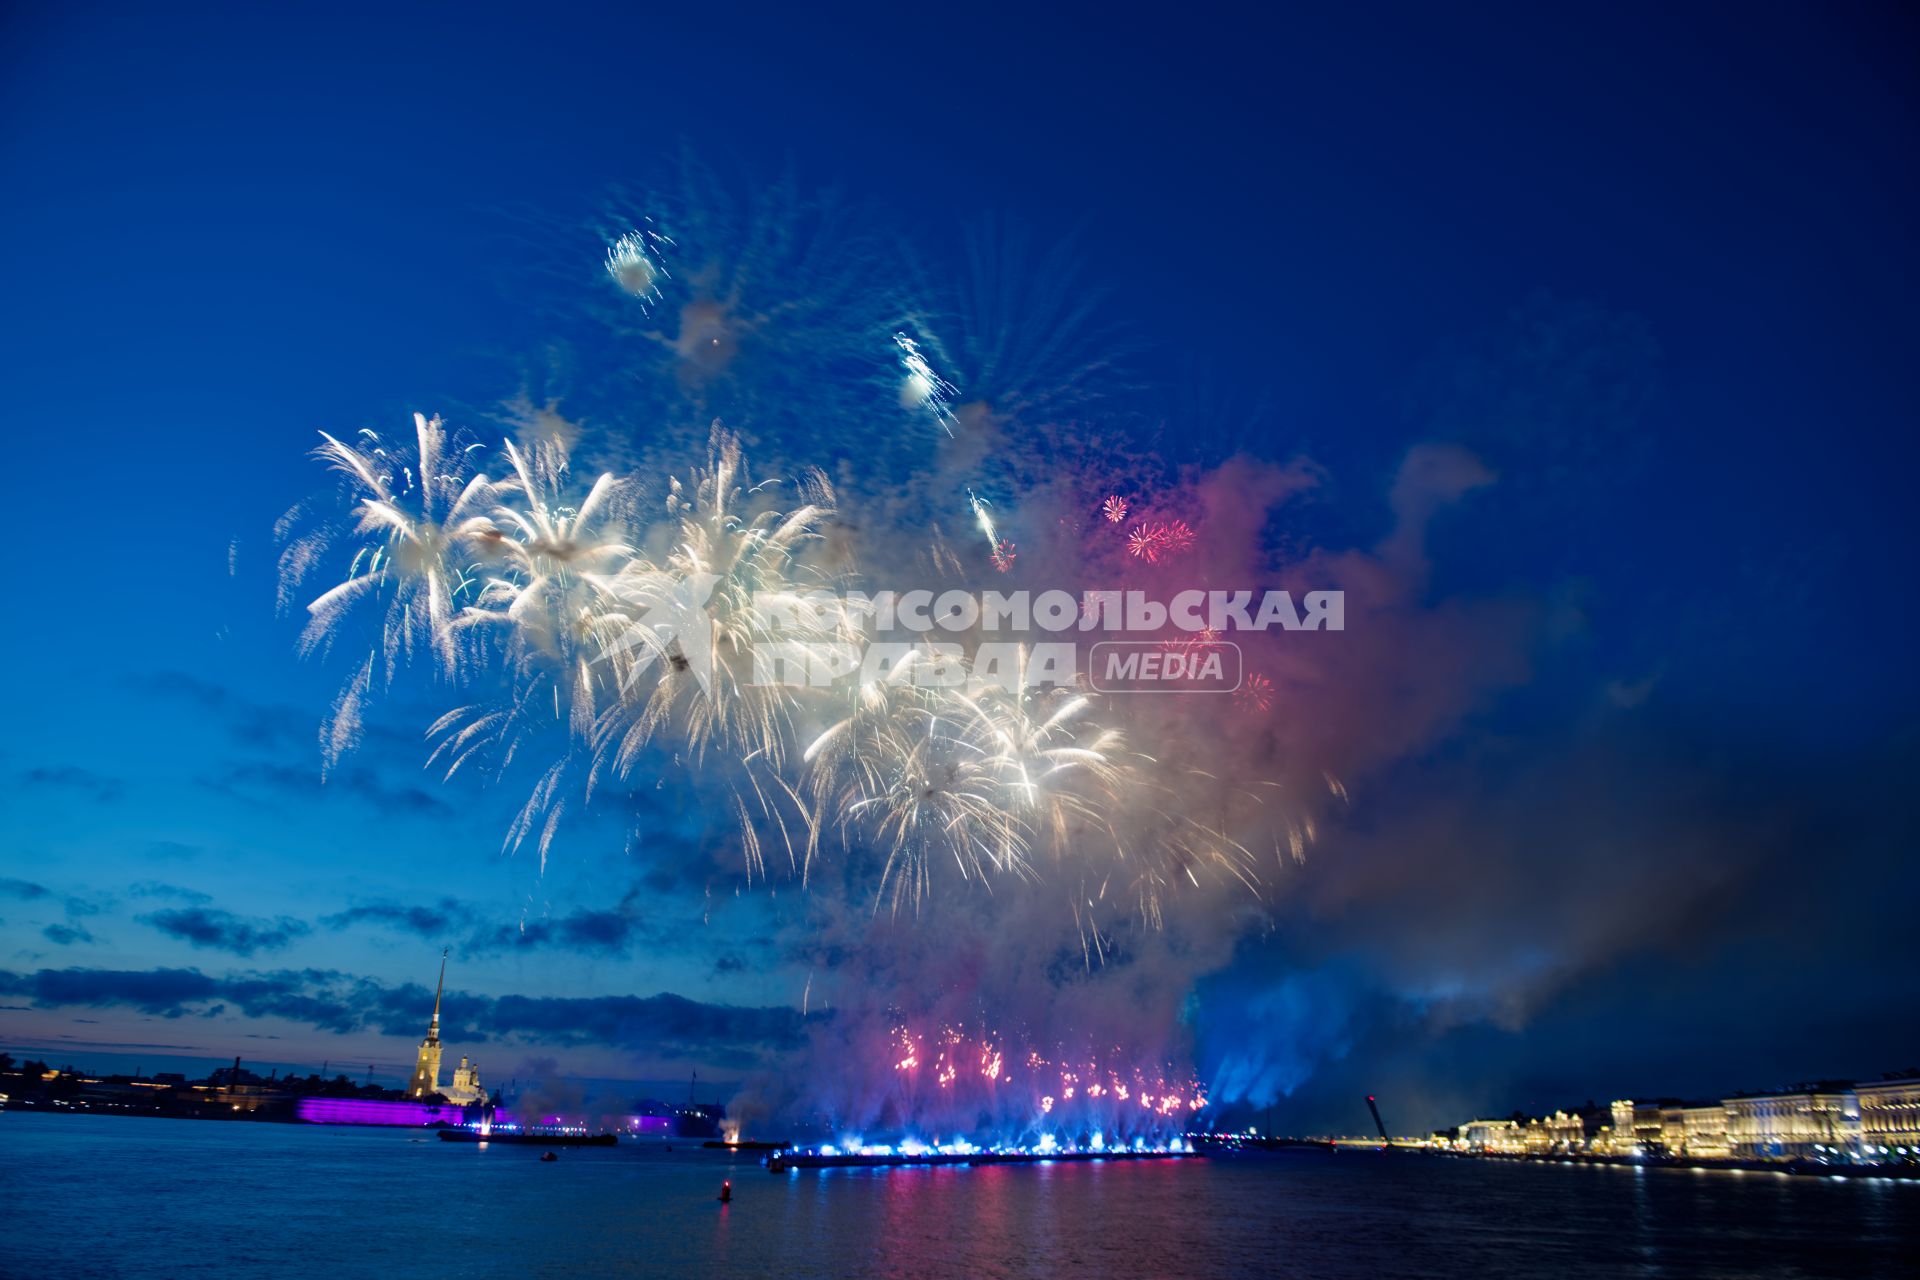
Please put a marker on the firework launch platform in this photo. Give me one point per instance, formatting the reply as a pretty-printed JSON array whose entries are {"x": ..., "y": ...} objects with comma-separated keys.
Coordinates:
[{"x": 783, "y": 1161}]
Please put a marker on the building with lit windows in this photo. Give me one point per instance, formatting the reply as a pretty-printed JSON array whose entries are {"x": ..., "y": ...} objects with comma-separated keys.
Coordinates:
[
  {"x": 1827, "y": 1121},
  {"x": 1639, "y": 1128},
  {"x": 1620, "y": 1135},
  {"x": 1493, "y": 1137},
  {"x": 1650, "y": 1128},
  {"x": 466, "y": 1089},
  {"x": 1890, "y": 1119},
  {"x": 1673, "y": 1128},
  {"x": 1703, "y": 1131},
  {"x": 1565, "y": 1132},
  {"x": 1821, "y": 1122}
]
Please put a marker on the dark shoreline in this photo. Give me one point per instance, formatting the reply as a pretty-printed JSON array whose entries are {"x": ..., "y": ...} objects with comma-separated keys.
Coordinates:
[{"x": 1785, "y": 1168}]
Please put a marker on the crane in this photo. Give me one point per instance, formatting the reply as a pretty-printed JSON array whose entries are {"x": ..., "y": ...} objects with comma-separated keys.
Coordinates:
[{"x": 1378, "y": 1123}]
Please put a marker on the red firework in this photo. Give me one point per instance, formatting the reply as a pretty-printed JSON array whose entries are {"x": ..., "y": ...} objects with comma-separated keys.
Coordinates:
[
  {"x": 1155, "y": 540},
  {"x": 1114, "y": 508},
  {"x": 1194, "y": 642},
  {"x": 1255, "y": 692}
]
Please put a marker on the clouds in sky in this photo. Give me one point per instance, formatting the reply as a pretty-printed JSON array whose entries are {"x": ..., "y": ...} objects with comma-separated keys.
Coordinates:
[
  {"x": 218, "y": 930},
  {"x": 664, "y": 1025}
]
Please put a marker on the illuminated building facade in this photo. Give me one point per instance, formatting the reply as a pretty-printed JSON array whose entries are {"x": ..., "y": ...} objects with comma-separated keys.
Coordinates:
[
  {"x": 1890, "y": 1119},
  {"x": 1494, "y": 1137},
  {"x": 1567, "y": 1130},
  {"x": 1649, "y": 1128},
  {"x": 1809, "y": 1124},
  {"x": 1639, "y": 1128},
  {"x": 1557, "y": 1134},
  {"x": 1673, "y": 1129},
  {"x": 466, "y": 1088},
  {"x": 1621, "y": 1135},
  {"x": 1830, "y": 1122},
  {"x": 1703, "y": 1134}
]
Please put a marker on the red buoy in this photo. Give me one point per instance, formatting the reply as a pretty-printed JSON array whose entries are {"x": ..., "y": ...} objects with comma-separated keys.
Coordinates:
[{"x": 726, "y": 1191}]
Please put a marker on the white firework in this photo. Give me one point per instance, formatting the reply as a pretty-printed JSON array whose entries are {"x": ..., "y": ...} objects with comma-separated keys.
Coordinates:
[
  {"x": 416, "y": 515},
  {"x": 636, "y": 261}
]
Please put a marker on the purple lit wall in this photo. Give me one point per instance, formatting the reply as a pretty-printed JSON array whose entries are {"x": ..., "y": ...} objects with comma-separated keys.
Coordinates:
[
  {"x": 659, "y": 1125},
  {"x": 353, "y": 1111}
]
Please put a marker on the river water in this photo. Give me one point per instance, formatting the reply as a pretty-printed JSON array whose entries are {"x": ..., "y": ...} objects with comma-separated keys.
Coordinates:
[{"x": 87, "y": 1196}]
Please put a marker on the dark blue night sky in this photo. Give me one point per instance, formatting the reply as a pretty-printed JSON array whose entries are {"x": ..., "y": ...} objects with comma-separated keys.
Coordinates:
[{"x": 1654, "y": 268}]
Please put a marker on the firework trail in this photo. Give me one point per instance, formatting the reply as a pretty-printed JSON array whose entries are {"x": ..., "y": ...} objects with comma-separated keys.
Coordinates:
[
  {"x": 1029, "y": 342},
  {"x": 921, "y": 387},
  {"x": 1000, "y": 551}
]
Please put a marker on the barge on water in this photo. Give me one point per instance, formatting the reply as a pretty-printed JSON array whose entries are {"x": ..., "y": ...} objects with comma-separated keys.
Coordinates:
[
  {"x": 525, "y": 1139},
  {"x": 782, "y": 1161}
]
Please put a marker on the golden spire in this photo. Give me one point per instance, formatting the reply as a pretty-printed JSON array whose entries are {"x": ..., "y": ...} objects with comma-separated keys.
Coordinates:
[{"x": 433, "y": 1032}]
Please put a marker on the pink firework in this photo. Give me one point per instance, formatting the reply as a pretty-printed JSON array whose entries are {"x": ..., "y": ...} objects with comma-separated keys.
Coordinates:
[
  {"x": 1154, "y": 541},
  {"x": 1255, "y": 692},
  {"x": 1193, "y": 642},
  {"x": 1003, "y": 555},
  {"x": 1114, "y": 508}
]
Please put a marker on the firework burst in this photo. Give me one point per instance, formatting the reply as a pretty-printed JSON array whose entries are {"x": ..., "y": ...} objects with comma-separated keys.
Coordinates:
[
  {"x": 915, "y": 777},
  {"x": 1255, "y": 692},
  {"x": 416, "y": 512},
  {"x": 636, "y": 262},
  {"x": 731, "y": 580},
  {"x": 921, "y": 387},
  {"x": 1053, "y": 760},
  {"x": 1157, "y": 540},
  {"x": 549, "y": 595},
  {"x": 636, "y": 639}
]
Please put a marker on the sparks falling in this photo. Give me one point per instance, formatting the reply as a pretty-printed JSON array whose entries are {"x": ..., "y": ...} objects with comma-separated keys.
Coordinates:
[
  {"x": 921, "y": 387},
  {"x": 635, "y": 263}
]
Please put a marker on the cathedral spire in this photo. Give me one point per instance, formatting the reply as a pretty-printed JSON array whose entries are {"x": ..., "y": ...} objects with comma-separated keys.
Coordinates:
[
  {"x": 426, "y": 1070},
  {"x": 433, "y": 1030}
]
